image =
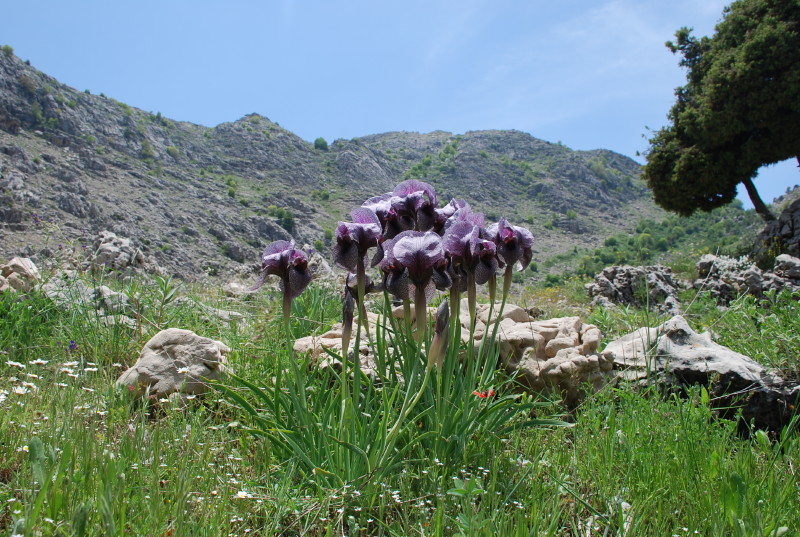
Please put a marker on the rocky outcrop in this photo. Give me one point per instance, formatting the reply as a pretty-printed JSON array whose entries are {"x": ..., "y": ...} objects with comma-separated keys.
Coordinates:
[
  {"x": 554, "y": 355},
  {"x": 781, "y": 236},
  {"x": 176, "y": 363},
  {"x": 652, "y": 286},
  {"x": 674, "y": 354},
  {"x": 117, "y": 253},
  {"x": 726, "y": 278}
]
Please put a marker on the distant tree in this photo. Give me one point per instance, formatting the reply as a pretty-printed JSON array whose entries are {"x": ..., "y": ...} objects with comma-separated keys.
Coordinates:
[
  {"x": 8, "y": 50},
  {"x": 739, "y": 110},
  {"x": 321, "y": 144}
]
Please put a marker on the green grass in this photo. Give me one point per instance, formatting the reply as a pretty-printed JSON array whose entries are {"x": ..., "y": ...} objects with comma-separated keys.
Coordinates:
[{"x": 80, "y": 457}]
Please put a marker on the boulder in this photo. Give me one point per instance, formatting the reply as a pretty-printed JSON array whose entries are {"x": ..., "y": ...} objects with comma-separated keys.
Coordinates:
[
  {"x": 674, "y": 354},
  {"x": 636, "y": 286},
  {"x": 318, "y": 265},
  {"x": 176, "y": 361},
  {"x": 19, "y": 274}
]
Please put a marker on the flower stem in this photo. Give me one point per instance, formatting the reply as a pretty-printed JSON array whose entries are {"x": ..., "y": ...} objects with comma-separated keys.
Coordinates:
[
  {"x": 420, "y": 312},
  {"x": 507, "y": 278},
  {"x": 472, "y": 299}
]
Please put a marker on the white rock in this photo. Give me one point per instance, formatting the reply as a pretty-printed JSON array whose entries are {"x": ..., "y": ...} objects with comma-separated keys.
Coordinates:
[{"x": 176, "y": 360}]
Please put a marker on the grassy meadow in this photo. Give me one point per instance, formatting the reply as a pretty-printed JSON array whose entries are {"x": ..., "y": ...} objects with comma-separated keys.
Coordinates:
[{"x": 290, "y": 449}]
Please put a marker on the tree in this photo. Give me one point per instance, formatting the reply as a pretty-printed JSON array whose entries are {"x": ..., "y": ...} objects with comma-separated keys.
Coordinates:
[
  {"x": 321, "y": 144},
  {"x": 739, "y": 109}
]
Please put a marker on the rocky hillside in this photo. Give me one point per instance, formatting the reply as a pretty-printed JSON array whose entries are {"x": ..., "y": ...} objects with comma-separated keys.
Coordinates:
[{"x": 204, "y": 201}]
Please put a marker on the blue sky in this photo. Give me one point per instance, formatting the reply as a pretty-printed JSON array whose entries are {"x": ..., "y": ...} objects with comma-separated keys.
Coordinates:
[{"x": 588, "y": 73}]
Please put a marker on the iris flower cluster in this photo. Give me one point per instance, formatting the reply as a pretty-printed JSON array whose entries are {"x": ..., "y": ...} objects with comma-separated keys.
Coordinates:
[{"x": 420, "y": 247}]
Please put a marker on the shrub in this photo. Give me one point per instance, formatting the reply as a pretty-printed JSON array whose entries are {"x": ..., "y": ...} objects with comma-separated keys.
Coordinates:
[
  {"x": 28, "y": 84},
  {"x": 8, "y": 51},
  {"x": 287, "y": 221},
  {"x": 173, "y": 151},
  {"x": 321, "y": 144},
  {"x": 147, "y": 152}
]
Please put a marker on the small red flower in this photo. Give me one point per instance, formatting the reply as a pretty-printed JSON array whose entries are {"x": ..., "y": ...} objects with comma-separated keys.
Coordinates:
[{"x": 484, "y": 395}]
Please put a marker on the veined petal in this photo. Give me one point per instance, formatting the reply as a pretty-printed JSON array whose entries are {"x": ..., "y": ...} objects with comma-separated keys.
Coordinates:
[{"x": 413, "y": 185}]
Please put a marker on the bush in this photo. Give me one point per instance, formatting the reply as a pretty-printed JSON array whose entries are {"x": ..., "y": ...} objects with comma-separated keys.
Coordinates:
[
  {"x": 28, "y": 84},
  {"x": 147, "y": 152},
  {"x": 287, "y": 221},
  {"x": 321, "y": 144},
  {"x": 173, "y": 151},
  {"x": 8, "y": 51}
]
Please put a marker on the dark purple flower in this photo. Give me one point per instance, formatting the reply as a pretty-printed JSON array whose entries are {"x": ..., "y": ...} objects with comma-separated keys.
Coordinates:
[
  {"x": 445, "y": 213},
  {"x": 513, "y": 243},
  {"x": 290, "y": 264},
  {"x": 414, "y": 203},
  {"x": 469, "y": 252},
  {"x": 72, "y": 345},
  {"x": 416, "y": 258},
  {"x": 353, "y": 239}
]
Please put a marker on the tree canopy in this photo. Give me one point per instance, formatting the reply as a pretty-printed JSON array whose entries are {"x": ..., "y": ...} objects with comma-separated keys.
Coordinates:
[{"x": 739, "y": 109}]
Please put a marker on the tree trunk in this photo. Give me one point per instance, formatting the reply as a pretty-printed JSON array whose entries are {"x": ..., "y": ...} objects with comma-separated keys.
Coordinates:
[{"x": 759, "y": 205}]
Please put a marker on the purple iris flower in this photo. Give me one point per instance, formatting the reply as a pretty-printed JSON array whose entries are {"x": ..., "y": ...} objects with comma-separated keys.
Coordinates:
[
  {"x": 514, "y": 243},
  {"x": 446, "y": 213},
  {"x": 415, "y": 260},
  {"x": 414, "y": 202},
  {"x": 353, "y": 239},
  {"x": 290, "y": 264},
  {"x": 469, "y": 252},
  {"x": 472, "y": 260},
  {"x": 392, "y": 223}
]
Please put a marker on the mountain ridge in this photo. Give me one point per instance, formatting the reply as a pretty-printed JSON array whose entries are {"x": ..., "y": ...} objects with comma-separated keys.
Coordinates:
[{"x": 205, "y": 200}]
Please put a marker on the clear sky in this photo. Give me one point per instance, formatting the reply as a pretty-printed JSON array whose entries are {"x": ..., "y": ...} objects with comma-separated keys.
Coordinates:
[{"x": 588, "y": 73}]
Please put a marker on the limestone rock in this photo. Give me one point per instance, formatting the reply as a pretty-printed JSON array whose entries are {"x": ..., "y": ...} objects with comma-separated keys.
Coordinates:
[
  {"x": 68, "y": 291},
  {"x": 236, "y": 289},
  {"x": 637, "y": 286},
  {"x": 673, "y": 353},
  {"x": 726, "y": 278},
  {"x": 176, "y": 361},
  {"x": 318, "y": 265},
  {"x": 117, "y": 253},
  {"x": 779, "y": 236},
  {"x": 554, "y": 355},
  {"x": 19, "y": 274}
]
